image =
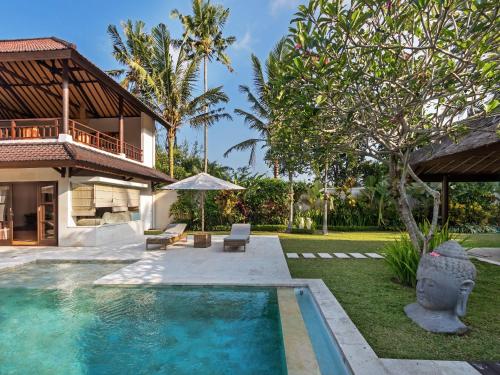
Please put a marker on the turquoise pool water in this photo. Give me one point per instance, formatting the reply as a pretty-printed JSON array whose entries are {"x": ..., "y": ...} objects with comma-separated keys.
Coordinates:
[
  {"x": 327, "y": 351},
  {"x": 104, "y": 330}
]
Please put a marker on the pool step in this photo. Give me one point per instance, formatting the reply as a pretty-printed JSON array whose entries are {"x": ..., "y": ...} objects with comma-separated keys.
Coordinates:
[{"x": 299, "y": 353}]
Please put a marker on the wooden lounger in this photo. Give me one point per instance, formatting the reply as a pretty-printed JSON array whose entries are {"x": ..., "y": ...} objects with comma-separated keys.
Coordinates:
[
  {"x": 172, "y": 234},
  {"x": 239, "y": 237}
]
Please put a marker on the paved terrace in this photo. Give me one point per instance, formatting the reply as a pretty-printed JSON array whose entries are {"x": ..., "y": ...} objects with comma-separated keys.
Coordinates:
[{"x": 263, "y": 262}]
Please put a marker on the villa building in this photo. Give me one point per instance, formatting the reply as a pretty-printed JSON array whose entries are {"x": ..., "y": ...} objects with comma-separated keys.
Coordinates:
[{"x": 77, "y": 150}]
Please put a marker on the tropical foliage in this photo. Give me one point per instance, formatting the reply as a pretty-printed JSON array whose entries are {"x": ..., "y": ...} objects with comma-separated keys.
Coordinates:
[
  {"x": 203, "y": 36},
  {"x": 387, "y": 78},
  {"x": 159, "y": 70},
  {"x": 260, "y": 117}
]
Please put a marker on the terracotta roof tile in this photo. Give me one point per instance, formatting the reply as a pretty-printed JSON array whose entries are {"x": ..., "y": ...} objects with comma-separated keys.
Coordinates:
[
  {"x": 24, "y": 155},
  {"x": 31, "y": 45}
]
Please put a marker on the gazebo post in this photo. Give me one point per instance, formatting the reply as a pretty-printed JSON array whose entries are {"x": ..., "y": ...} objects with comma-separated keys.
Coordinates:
[{"x": 445, "y": 199}]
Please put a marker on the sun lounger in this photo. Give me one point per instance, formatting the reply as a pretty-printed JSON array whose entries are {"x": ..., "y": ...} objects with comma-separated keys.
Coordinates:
[
  {"x": 172, "y": 234},
  {"x": 239, "y": 237}
]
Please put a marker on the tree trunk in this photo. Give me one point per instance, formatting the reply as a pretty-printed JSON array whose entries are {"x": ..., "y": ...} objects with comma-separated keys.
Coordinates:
[
  {"x": 290, "y": 217},
  {"x": 276, "y": 168},
  {"x": 325, "y": 201},
  {"x": 171, "y": 140},
  {"x": 205, "y": 87},
  {"x": 399, "y": 171},
  {"x": 398, "y": 190}
]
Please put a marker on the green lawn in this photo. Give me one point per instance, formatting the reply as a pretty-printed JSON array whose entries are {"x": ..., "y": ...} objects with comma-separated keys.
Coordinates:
[{"x": 375, "y": 303}]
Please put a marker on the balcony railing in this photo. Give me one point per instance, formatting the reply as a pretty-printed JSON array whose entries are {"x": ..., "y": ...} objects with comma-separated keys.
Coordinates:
[{"x": 46, "y": 128}]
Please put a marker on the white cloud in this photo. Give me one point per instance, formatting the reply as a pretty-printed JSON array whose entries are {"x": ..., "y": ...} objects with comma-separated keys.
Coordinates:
[
  {"x": 244, "y": 42},
  {"x": 277, "y": 5}
]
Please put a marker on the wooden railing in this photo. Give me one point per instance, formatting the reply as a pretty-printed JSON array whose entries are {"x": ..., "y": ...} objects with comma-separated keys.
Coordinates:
[
  {"x": 51, "y": 127},
  {"x": 132, "y": 152},
  {"x": 89, "y": 136},
  {"x": 29, "y": 128}
]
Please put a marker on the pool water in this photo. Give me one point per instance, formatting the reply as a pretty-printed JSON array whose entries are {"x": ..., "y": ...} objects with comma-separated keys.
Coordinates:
[
  {"x": 105, "y": 330},
  {"x": 328, "y": 353}
]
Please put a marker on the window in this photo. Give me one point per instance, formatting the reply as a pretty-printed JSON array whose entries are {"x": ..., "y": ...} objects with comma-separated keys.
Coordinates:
[{"x": 99, "y": 204}]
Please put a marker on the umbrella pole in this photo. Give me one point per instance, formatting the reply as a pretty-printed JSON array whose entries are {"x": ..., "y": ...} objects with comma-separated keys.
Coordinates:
[{"x": 203, "y": 211}]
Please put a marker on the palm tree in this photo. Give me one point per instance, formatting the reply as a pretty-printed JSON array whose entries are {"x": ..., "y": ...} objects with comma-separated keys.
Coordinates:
[
  {"x": 261, "y": 117},
  {"x": 203, "y": 34},
  {"x": 165, "y": 83}
]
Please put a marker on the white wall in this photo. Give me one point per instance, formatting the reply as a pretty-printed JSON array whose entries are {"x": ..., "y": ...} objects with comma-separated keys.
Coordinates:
[
  {"x": 163, "y": 200},
  {"x": 148, "y": 140},
  {"x": 146, "y": 208}
]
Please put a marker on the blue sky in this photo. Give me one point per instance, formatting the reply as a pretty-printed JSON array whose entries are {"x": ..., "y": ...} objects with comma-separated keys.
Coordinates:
[{"x": 257, "y": 25}]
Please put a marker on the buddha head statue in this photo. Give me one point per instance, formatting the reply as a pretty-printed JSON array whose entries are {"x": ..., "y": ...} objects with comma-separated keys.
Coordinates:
[{"x": 445, "y": 279}]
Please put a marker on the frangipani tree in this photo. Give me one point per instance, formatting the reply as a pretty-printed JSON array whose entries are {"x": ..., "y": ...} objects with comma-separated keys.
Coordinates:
[{"x": 407, "y": 71}]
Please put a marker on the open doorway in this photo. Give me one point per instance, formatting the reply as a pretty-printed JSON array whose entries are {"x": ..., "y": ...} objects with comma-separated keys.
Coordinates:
[
  {"x": 28, "y": 213},
  {"x": 24, "y": 207}
]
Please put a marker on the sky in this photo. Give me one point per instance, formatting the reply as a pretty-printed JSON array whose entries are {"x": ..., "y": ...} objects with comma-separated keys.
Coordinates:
[{"x": 256, "y": 24}]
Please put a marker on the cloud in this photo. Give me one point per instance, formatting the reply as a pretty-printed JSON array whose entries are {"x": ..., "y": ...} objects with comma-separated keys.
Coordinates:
[
  {"x": 277, "y": 5},
  {"x": 244, "y": 42}
]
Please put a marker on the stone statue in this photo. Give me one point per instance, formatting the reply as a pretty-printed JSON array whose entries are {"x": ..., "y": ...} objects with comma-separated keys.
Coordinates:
[{"x": 445, "y": 279}]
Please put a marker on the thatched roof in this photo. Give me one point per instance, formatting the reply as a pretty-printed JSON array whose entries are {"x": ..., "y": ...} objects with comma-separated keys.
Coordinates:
[{"x": 472, "y": 157}]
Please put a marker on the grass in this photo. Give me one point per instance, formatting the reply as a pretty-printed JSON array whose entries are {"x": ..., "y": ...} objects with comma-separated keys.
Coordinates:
[{"x": 375, "y": 303}]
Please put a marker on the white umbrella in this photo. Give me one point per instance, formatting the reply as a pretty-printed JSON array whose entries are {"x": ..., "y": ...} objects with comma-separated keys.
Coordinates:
[{"x": 202, "y": 182}]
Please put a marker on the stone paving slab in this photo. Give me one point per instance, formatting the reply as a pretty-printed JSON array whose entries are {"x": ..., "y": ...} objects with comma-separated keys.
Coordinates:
[
  {"x": 357, "y": 255},
  {"x": 486, "y": 254},
  {"x": 292, "y": 255},
  {"x": 309, "y": 255},
  {"x": 427, "y": 367},
  {"x": 374, "y": 255},
  {"x": 342, "y": 255},
  {"x": 325, "y": 255}
]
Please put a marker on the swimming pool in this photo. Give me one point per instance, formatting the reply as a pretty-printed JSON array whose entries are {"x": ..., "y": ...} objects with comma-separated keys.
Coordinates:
[
  {"x": 53, "y": 321},
  {"x": 105, "y": 330}
]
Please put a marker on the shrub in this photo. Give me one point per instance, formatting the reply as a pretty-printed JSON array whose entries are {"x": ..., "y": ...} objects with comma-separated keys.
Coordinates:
[
  {"x": 403, "y": 260},
  {"x": 269, "y": 228}
]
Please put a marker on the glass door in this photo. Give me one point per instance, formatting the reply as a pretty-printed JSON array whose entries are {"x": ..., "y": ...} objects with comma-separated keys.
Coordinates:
[
  {"x": 6, "y": 215},
  {"x": 47, "y": 213}
]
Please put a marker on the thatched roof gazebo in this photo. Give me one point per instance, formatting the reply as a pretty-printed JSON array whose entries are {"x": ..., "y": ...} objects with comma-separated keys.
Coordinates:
[{"x": 472, "y": 157}]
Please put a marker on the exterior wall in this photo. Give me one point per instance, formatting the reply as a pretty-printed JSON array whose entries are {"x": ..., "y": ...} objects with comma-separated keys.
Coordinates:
[
  {"x": 163, "y": 200},
  {"x": 148, "y": 134},
  {"x": 68, "y": 233},
  {"x": 146, "y": 208}
]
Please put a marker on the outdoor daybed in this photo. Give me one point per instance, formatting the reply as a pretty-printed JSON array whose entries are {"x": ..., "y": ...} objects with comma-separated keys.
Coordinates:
[
  {"x": 172, "y": 234},
  {"x": 240, "y": 236}
]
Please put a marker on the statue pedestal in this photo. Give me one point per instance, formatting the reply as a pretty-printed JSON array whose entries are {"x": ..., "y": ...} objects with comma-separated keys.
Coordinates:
[{"x": 435, "y": 321}]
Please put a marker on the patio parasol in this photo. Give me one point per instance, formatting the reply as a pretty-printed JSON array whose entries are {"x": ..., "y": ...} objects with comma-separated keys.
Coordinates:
[{"x": 202, "y": 182}]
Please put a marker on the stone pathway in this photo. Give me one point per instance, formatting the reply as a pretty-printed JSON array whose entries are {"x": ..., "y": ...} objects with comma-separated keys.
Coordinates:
[
  {"x": 336, "y": 255},
  {"x": 486, "y": 254}
]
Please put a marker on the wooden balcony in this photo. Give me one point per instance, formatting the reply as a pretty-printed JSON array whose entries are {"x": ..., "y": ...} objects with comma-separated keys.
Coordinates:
[{"x": 47, "y": 128}]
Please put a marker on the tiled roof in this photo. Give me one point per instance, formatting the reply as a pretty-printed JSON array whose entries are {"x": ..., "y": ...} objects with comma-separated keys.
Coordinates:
[
  {"x": 31, "y": 45},
  {"x": 26, "y": 155}
]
